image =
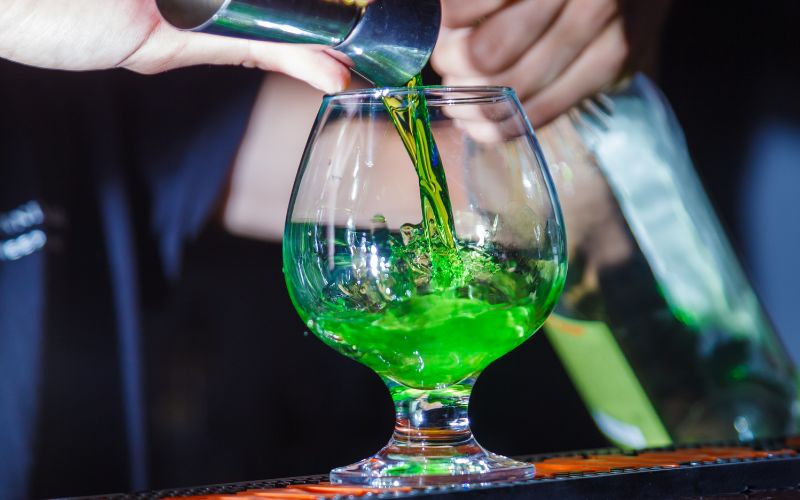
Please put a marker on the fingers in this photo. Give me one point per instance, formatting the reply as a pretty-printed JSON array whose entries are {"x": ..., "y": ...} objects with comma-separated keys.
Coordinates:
[
  {"x": 488, "y": 123},
  {"x": 451, "y": 56},
  {"x": 538, "y": 46},
  {"x": 167, "y": 48},
  {"x": 463, "y": 13},
  {"x": 491, "y": 132},
  {"x": 593, "y": 70},
  {"x": 314, "y": 65},
  {"x": 496, "y": 43},
  {"x": 502, "y": 39},
  {"x": 578, "y": 25}
]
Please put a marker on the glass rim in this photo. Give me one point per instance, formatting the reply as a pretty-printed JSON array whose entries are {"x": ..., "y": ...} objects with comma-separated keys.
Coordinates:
[{"x": 474, "y": 94}]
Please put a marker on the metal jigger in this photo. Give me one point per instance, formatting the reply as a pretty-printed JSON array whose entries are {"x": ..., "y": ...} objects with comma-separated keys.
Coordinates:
[{"x": 389, "y": 41}]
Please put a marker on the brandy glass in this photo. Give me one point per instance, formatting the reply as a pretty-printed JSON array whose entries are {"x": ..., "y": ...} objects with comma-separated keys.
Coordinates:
[{"x": 425, "y": 261}]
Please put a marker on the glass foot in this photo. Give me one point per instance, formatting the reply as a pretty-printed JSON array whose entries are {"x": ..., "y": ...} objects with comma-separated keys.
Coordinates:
[
  {"x": 432, "y": 445},
  {"x": 433, "y": 466}
]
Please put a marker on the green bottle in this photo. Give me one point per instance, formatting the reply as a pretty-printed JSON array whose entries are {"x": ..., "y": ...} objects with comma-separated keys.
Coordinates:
[{"x": 658, "y": 326}]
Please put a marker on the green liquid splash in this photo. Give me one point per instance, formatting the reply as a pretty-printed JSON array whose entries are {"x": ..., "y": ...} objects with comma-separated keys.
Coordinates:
[{"x": 419, "y": 306}]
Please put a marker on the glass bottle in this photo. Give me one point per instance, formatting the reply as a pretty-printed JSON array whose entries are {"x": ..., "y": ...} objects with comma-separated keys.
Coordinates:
[{"x": 658, "y": 327}]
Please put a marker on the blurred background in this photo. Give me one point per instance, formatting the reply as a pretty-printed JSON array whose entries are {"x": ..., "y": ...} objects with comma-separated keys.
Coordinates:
[{"x": 130, "y": 179}]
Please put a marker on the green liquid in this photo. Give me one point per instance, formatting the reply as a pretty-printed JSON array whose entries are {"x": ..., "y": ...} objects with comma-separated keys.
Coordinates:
[
  {"x": 414, "y": 127},
  {"x": 419, "y": 306},
  {"x": 381, "y": 309},
  {"x": 430, "y": 340}
]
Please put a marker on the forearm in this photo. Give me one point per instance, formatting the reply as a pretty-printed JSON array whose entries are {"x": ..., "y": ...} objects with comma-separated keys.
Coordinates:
[
  {"x": 73, "y": 35},
  {"x": 264, "y": 170},
  {"x": 99, "y": 34}
]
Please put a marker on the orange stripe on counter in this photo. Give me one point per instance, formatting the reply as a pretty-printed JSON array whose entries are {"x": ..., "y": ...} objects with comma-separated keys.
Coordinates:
[
  {"x": 550, "y": 467},
  {"x": 300, "y": 492}
]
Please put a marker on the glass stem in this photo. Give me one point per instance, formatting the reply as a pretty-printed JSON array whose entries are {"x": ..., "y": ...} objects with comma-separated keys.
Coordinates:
[{"x": 432, "y": 418}]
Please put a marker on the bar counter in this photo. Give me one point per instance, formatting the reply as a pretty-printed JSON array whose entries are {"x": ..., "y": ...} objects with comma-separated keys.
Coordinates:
[{"x": 768, "y": 469}]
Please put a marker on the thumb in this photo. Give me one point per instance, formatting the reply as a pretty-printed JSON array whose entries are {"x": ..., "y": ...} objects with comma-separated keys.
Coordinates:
[{"x": 168, "y": 48}]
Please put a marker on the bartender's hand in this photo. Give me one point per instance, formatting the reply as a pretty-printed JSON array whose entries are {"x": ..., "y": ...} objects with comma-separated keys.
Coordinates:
[
  {"x": 553, "y": 52},
  {"x": 100, "y": 34}
]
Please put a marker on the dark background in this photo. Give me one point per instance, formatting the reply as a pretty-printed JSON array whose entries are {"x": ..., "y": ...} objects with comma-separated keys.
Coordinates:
[{"x": 238, "y": 390}]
